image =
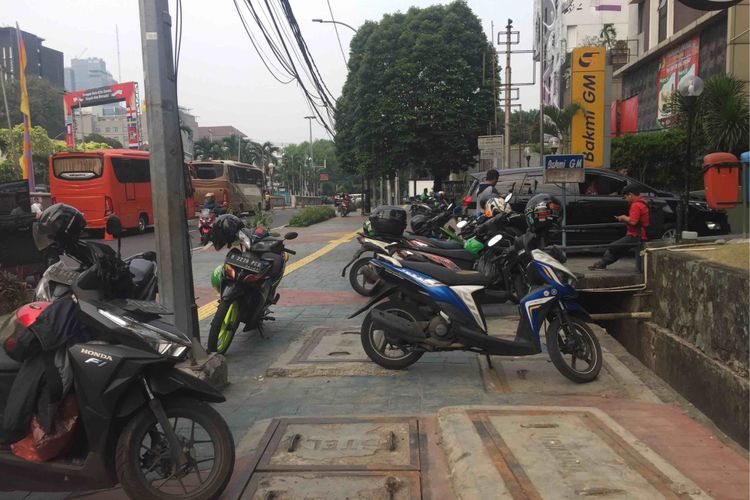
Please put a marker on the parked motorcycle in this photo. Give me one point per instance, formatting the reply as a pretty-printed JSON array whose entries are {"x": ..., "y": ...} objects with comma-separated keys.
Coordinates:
[
  {"x": 248, "y": 279},
  {"x": 432, "y": 309},
  {"x": 205, "y": 221},
  {"x": 143, "y": 423}
]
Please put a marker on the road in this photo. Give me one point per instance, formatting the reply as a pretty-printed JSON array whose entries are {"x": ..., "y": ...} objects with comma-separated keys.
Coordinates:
[{"x": 133, "y": 243}]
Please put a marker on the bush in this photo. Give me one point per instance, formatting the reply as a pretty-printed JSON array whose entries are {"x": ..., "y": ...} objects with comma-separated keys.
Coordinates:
[
  {"x": 312, "y": 215},
  {"x": 263, "y": 219}
]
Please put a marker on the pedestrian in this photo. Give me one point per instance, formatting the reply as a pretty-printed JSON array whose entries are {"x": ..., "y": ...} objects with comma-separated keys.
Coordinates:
[
  {"x": 267, "y": 198},
  {"x": 637, "y": 221},
  {"x": 36, "y": 207},
  {"x": 424, "y": 196},
  {"x": 487, "y": 190},
  {"x": 624, "y": 171}
]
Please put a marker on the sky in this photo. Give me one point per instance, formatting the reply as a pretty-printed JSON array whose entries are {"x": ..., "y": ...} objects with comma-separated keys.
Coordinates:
[{"x": 221, "y": 78}]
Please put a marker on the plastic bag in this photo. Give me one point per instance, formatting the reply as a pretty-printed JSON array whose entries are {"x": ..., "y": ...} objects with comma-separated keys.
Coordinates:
[{"x": 39, "y": 445}]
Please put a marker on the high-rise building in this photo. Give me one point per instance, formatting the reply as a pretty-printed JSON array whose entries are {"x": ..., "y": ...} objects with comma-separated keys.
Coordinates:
[
  {"x": 41, "y": 61},
  {"x": 88, "y": 73}
]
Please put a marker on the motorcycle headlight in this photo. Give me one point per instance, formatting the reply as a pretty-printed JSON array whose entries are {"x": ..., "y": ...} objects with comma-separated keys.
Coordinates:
[
  {"x": 564, "y": 277},
  {"x": 42, "y": 292},
  {"x": 164, "y": 342}
]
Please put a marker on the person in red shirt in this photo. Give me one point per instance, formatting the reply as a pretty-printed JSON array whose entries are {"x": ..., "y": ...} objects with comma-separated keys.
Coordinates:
[{"x": 637, "y": 221}]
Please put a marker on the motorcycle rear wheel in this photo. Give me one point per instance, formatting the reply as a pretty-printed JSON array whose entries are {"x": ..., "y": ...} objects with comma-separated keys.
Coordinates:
[
  {"x": 142, "y": 451},
  {"x": 223, "y": 327},
  {"x": 578, "y": 343},
  {"x": 377, "y": 347}
]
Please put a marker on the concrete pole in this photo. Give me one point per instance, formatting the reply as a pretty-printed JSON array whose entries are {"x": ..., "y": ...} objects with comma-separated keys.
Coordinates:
[
  {"x": 167, "y": 177},
  {"x": 388, "y": 190},
  {"x": 309, "y": 121},
  {"x": 541, "y": 84},
  {"x": 506, "y": 160}
]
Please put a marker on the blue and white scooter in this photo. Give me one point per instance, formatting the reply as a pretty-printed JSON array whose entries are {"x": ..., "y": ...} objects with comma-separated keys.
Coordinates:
[{"x": 427, "y": 308}]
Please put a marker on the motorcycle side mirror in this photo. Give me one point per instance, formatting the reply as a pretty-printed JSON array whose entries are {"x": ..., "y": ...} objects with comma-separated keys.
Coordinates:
[
  {"x": 508, "y": 197},
  {"x": 114, "y": 226},
  {"x": 290, "y": 235},
  {"x": 461, "y": 224},
  {"x": 494, "y": 240}
]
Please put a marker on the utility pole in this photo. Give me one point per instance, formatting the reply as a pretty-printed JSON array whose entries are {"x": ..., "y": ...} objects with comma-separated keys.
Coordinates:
[
  {"x": 167, "y": 176},
  {"x": 309, "y": 121},
  {"x": 506, "y": 132},
  {"x": 541, "y": 83}
]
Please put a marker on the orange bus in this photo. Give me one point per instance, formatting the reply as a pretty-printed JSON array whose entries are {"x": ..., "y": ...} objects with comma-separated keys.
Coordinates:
[{"x": 104, "y": 182}]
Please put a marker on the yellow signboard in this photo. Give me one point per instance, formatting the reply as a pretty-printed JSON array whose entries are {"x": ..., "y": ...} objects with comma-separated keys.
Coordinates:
[{"x": 587, "y": 89}]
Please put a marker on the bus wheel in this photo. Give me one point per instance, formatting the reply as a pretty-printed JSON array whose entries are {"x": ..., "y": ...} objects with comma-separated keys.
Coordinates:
[{"x": 142, "y": 223}]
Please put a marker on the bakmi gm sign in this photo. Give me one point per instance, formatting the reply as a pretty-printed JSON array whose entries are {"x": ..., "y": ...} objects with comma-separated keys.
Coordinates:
[{"x": 588, "y": 90}]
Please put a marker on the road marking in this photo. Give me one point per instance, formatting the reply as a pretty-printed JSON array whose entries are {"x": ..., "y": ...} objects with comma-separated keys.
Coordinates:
[{"x": 207, "y": 310}]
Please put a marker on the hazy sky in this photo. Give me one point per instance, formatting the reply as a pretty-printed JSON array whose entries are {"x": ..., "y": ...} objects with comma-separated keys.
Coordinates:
[{"x": 221, "y": 78}]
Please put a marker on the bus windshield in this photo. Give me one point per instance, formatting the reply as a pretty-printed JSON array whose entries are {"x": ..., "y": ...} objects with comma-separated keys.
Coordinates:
[
  {"x": 243, "y": 175},
  {"x": 77, "y": 167}
]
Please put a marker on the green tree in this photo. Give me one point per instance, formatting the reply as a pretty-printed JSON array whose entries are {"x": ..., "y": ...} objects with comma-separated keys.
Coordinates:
[
  {"x": 558, "y": 121},
  {"x": 724, "y": 114},
  {"x": 45, "y": 103},
  {"x": 415, "y": 97},
  {"x": 112, "y": 143}
]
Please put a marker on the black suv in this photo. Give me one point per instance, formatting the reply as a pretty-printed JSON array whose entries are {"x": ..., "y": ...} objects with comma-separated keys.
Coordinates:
[{"x": 598, "y": 199}]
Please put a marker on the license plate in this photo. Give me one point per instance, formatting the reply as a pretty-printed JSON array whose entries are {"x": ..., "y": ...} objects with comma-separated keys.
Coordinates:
[{"x": 246, "y": 261}]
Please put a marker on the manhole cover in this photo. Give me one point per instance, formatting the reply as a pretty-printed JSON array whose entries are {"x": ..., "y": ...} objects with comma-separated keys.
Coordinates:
[
  {"x": 587, "y": 456},
  {"x": 343, "y": 444},
  {"x": 399, "y": 485},
  {"x": 326, "y": 346}
]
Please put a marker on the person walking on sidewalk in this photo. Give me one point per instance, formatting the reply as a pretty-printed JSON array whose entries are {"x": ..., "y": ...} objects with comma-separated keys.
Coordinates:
[{"x": 637, "y": 221}]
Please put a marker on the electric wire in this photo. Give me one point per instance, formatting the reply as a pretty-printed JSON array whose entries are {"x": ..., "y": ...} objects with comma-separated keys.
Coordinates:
[{"x": 336, "y": 29}]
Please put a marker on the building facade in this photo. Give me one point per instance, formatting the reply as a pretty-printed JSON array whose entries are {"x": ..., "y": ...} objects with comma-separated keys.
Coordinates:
[
  {"x": 87, "y": 73},
  {"x": 676, "y": 41},
  {"x": 218, "y": 132},
  {"x": 41, "y": 61}
]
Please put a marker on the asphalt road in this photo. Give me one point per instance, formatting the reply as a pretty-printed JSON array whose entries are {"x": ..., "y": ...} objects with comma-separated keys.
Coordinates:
[{"x": 133, "y": 243}]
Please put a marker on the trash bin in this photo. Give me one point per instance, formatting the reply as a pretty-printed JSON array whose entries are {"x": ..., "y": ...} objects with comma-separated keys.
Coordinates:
[
  {"x": 721, "y": 177},
  {"x": 745, "y": 160}
]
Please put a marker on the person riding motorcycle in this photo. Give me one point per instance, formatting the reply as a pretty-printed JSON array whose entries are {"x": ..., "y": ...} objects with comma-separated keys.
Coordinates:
[{"x": 211, "y": 204}]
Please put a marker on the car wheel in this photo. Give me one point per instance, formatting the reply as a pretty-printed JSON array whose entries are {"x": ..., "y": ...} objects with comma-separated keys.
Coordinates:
[
  {"x": 669, "y": 234},
  {"x": 142, "y": 223}
]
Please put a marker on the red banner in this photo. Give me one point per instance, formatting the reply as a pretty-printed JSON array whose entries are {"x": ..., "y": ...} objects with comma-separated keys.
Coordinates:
[
  {"x": 104, "y": 95},
  {"x": 678, "y": 63}
]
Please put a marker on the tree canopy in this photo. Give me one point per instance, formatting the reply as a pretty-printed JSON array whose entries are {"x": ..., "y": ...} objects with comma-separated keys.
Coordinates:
[
  {"x": 45, "y": 103},
  {"x": 417, "y": 94}
]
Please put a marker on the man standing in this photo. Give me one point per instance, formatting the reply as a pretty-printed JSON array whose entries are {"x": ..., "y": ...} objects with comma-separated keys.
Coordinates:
[
  {"x": 487, "y": 190},
  {"x": 637, "y": 221}
]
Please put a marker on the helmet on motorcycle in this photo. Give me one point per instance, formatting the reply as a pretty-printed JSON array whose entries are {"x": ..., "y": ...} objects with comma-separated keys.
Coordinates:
[
  {"x": 216, "y": 277},
  {"x": 367, "y": 228},
  {"x": 474, "y": 246},
  {"x": 59, "y": 225},
  {"x": 419, "y": 224},
  {"x": 542, "y": 212},
  {"x": 496, "y": 206},
  {"x": 225, "y": 229}
]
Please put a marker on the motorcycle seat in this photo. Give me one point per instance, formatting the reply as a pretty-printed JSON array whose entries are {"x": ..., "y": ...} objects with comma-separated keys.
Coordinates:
[
  {"x": 435, "y": 243},
  {"x": 142, "y": 270},
  {"x": 457, "y": 254},
  {"x": 7, "y": 365},
  {"x": 447, "y": 276}
]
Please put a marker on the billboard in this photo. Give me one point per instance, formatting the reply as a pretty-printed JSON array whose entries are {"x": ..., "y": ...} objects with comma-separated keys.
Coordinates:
[
  {"x": 127, "y": 91},
  {"x": 588, "y": 90},
  {"x": 678, "y": 63}
]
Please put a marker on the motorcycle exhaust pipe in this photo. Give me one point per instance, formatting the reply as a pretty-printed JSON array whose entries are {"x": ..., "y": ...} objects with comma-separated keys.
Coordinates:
[{"x": 396, "y": 326}]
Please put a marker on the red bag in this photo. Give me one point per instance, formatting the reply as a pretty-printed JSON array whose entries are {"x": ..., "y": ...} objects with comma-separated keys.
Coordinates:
[{"x": 39, "y": 445}]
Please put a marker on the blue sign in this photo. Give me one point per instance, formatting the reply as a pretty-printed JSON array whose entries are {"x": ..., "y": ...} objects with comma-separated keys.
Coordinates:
[{"x": 563, "y": 161}]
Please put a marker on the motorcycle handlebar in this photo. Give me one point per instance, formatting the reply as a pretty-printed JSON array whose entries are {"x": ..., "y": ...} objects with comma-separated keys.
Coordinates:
[{"x": 290, "y": 252}]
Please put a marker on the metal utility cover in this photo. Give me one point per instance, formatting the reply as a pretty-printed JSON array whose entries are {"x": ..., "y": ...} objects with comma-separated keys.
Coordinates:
[
  {"x": 584, "y": 454},
  {"x": 399, "y": 485},
  {"x": 377, "y": 443},
  {"x": 330, "y": 346}
]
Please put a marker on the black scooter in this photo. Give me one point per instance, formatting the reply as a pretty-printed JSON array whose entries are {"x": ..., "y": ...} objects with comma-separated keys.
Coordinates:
[{"x": 143, "y": 422}]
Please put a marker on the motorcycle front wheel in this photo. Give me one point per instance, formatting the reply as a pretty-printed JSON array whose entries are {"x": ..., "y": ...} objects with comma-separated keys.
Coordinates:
[
  {"x": 223, "y": 327},
  {"x": 145, "y": 466},
  {"x": 574, "y": 350},
  {"x": 360, "y": 277}
]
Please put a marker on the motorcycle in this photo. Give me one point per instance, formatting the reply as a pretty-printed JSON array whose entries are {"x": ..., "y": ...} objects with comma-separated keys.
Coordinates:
[
  {"x": 143, "y": 423},
  {"x": 344, "y": 207},
  {"x": 427, "y": 308},
  {"x": 205, "y": 221},
  {"x": 248, "y": 281}
]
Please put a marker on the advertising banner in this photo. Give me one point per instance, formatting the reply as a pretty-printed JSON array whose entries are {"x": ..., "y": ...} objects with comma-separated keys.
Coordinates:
[
  {"x": 587, "y": 89},
  {"x": 678, "y": 63}
]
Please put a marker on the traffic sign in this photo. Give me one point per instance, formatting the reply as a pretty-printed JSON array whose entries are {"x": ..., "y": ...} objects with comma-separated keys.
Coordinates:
[
  {"x": 489, "y": 142},
  {"x": 563, "y": 168},
  {"x": 324, "y": 176}
]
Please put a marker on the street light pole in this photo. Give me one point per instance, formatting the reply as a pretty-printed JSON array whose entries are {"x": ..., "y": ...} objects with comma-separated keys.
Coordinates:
[
  {"x": 334, "y": 22},
  {"x": 309, "y": 121},
  {"x": 690, "y": 88}
]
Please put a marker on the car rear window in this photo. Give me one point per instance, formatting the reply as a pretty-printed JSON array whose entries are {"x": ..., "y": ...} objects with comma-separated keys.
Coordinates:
[{"x": 77, "y": 167}]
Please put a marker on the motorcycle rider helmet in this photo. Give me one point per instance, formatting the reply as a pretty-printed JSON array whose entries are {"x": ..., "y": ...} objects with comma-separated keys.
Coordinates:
[
  {"x": 225, "y": 229},
  {"x": 543, "y": 211},
  {"x": 496, "y": 206},
  {"x": 419, "y": 224},
  {"x": 59, "y": 225},
  {"x": 216, "y": 277}
]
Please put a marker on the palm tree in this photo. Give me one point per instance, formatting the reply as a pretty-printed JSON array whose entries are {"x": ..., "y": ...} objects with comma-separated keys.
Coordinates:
[
  {"x": 557, "y": 122},
  {"x": 206, "y": 149},
  {"x": 608, "y": 35},
  {"x": 724, "y": 114}
]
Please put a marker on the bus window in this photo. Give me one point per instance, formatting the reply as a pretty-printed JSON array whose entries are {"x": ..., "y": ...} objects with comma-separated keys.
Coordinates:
[
  {"x": 207, "y": 172},
  {"x": 245, "y": 176},
  {"x": 129, "y": 170},
  {"x": 77, "y": 168}
]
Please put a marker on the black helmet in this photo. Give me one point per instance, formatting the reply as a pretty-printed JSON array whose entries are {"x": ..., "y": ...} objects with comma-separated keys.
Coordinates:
[
  {"x": 59, "y": 225},
  {"x": 419, "y": 224},
  {"x": 225, "y": 229},
  {"x": 542, "y": 212}
]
